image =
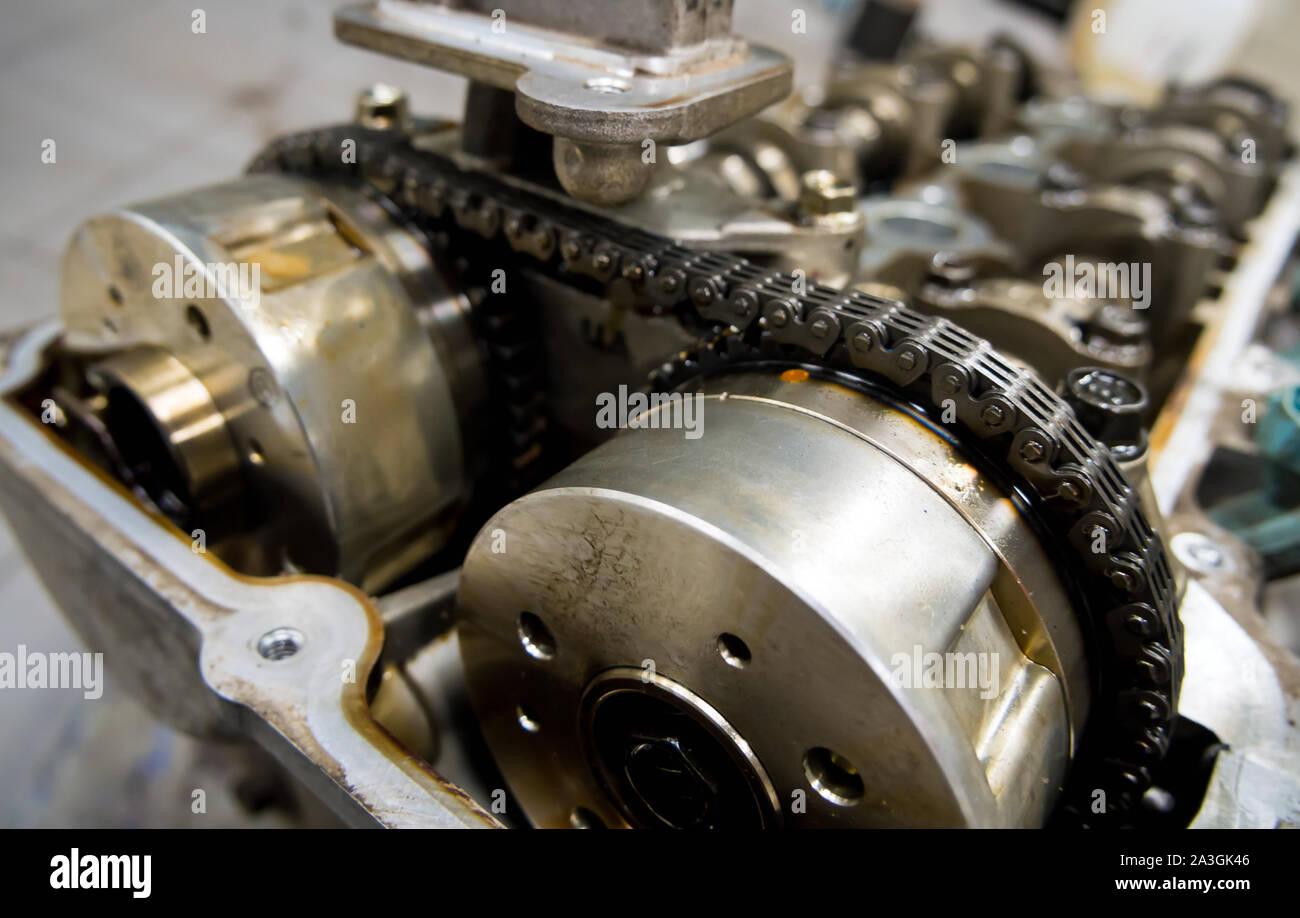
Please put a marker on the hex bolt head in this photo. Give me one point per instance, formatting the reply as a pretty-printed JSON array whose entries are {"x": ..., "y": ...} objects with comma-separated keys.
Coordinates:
[
  {"x": 1110, "y": 406},
  {"x": 824, "y": 194},
  {"x": 381, "y": 107}
]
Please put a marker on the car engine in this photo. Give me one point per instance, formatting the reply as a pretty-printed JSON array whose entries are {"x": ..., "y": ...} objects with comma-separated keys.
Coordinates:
[{"x": 659, "y": 446}]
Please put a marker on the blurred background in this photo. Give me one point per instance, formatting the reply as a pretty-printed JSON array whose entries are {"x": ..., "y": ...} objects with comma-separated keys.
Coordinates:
[{"x": 141, "y": 106}]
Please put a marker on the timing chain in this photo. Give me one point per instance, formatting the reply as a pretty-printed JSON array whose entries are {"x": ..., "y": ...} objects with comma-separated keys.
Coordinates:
[{"x": 1127, "y": 593}]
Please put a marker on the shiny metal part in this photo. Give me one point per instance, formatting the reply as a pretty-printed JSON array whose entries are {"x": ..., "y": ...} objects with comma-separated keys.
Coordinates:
[
  {"x": 951, "y": 263},
  {"x": 664, "y": 71},
  {"x": 688, "y": 200},
  {"x": 755, "y": 599},
  {"x": 903, "y": 235},
  {"x": 787, "y": 599},
  {"x": 292, "y": 343},
  {"x": 1046, "y": 213},
  {"x": 383, "y": 107},
  {"x": 187, "y": 635},
  {"x": 1053, "y": 335}
]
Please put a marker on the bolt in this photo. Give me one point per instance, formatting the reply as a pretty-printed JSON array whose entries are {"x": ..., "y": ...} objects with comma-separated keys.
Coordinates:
[
  {"x": 1061, "y": 177},
  {"x": 634, "y": 272},
  {"x": 825, "y": 194},
  {"x": 1120, "y": 323},
  {"x": 1110, "y": 406},
  {"x": 1197, "y": 552},
  {"x": 951, "y": 270},
  {"x": 602, "y": 261},
  {"x": 1191, "y": 208},
  {"x": 1206, "y": 554},
  {"x": 570, "y": 249},
  {"x": 383, "y": 108}
]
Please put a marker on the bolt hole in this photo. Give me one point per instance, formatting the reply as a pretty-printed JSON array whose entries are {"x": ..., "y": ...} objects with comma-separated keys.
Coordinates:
[
  {"x": 527, "y": 719},
  {"x": 256, "y": 455},
  {"x": 733, "y": 650},
  {"x": 833, "y": 776},
  {"x": 583, "y": 818},
  {"x": 280, "y": 644},
  {"x": 606, "y": 85},
  {"x": 116, "y": 296},
  {"x": 536, "y": 637},
  {"x": 198, "y": 321}
]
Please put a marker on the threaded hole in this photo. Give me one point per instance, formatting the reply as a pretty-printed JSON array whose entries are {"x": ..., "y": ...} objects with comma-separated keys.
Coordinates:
[{"x": 280, "y": 644}]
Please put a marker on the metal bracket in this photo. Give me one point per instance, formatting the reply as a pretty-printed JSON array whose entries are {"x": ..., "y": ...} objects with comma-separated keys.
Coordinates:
[{"x": 592, "y": 93}]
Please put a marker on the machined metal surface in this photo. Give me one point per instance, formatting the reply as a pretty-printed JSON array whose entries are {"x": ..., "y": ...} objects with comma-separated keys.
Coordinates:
[
  {"x": 340, "y": 373},
  {"x": 753, "y": 589}
]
